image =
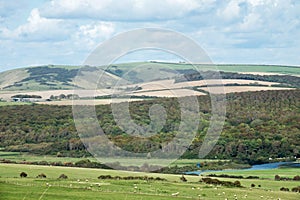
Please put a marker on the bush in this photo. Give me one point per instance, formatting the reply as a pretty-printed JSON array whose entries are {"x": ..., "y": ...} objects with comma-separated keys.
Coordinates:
[
  {"x": 160, "y": 179},
  {"x": 237, "y": 183},
  {"x": 296, "y": 178},
  {"x": 218, "y": 182},
  {"x": 42, "y": 175},
  {"x": 252, "y": 185},
  {"x": 23, "y": 175},
  {"x": 226, "y": 176},
  {"x": 277, "y": 177},
  {"x": 63, "y": 176},
  {"x": 284, "y": 189},
  {"x": 105, "y": 177},
  {"x": 296, "y": 189},
  {"x": 43, "y": 163},
  {"x": 182, "y": 178},
  {"x": 252, "y": 177},
  {"x": 146, "y": 178}
]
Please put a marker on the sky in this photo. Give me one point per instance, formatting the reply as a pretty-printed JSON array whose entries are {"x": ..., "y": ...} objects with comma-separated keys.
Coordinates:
[{"x": 39, "y": 32}]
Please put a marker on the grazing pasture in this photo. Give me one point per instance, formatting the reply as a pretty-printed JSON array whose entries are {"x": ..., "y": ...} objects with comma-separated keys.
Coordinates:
[{"x": 83, "y": 183}]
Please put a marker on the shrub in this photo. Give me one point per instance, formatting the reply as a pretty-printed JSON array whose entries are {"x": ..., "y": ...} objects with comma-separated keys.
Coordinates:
[
  {"x": 182, "y": 178},
  {"x": 218, "y": 182},
  {"x": 252, "y": 177},
  {"x": 296, "y": 189},
  {"x": 296, "y": 178},
  {"x": 284, "y": 189},
  {"x": 68, "y": 164},
  {"x": 252, "y": 185},
  {"x": 237, "y": 183},
  {"x": 23, "y": 175},
  {"x": 83, "y": 163},
  {"x": 105, "y": 177},
  {"x": 42, "y": 175},
  {"x": 146, "y": 178},
  {"x": 160, "y": 179},
  {"x": 43, "y": 163},
  {"x": 277, "y": 177},
  {"x": 63, "y": 176}
]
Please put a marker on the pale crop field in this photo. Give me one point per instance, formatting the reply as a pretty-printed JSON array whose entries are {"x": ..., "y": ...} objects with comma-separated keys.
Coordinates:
[
  {"x": 232, "y": 89},
  {"x": 88, "y": 102},
  {"x": 170, "y": 93}
]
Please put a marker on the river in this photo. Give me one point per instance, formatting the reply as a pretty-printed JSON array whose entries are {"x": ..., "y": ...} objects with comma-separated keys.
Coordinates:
[{"x": 254, "y": 167}]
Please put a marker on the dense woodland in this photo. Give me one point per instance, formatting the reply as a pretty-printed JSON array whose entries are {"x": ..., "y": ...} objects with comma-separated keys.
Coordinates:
[
  {"x": 192, "y": 75},
  {"x": 259, "y": 126}
]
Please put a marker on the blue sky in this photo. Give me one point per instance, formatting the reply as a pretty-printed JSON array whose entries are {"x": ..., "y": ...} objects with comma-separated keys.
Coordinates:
[{"x": 37, "y": 32}]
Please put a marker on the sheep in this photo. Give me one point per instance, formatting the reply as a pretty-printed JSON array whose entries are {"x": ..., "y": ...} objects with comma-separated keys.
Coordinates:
[{"x": 175, "y": 194}]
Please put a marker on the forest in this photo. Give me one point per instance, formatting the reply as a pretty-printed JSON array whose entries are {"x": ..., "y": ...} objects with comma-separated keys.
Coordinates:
[
  {"x": 192, "y": 75},
  {"x": 259, "y": 126}
]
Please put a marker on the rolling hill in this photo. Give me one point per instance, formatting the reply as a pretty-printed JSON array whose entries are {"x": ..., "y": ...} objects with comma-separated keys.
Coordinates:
[{"x": 144, "y": 79}]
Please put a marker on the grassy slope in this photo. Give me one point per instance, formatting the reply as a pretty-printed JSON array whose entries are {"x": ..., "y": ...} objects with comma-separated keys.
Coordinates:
[
  {"x": 15, "y": 156},
  {"x": 290, "y": 70},
  {"x": 10, "y": 77},
  {"x": 222, "y": 67},
  {"x": 12, "y": 187}
]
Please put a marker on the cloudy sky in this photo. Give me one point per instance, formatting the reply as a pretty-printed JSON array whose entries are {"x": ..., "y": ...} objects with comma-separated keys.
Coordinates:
[{"x": 37, "y": 32}]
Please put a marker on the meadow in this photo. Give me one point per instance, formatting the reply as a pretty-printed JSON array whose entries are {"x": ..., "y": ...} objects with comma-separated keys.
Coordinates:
[
  {"x": 82, "y": 183},
  {"x": 19, "y": 157}
]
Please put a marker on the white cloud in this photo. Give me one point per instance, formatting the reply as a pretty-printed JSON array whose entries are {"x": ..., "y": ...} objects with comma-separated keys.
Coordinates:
[
  {"x": 37, "y": 28},
  {"x": 251, "y": 22},
  {"x": 232, "y": 31},
  {"x": 92, "y": 34},
  {"x": 9, "y": 7},
  {"x": 109, "y": 10},
  {"x": 96, "y": 30},
  {"x": 231, "y": 11},
  {"x": 256, "y": 2}
]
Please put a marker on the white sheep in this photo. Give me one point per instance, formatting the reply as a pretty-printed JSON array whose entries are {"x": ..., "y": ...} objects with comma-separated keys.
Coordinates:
[{"x": 175, "y": 194}]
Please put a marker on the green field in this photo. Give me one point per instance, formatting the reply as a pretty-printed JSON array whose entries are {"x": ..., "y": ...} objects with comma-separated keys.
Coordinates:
[
  {"x": 82, "y": 183},
  {"x": 18, "y": 157},
  {"x": 290, "y": 70},
  {"x": 265, "y": 174}
]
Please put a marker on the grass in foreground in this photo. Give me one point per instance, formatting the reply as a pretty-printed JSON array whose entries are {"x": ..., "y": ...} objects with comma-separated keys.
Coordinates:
[{"x": 83, "y": 184}]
